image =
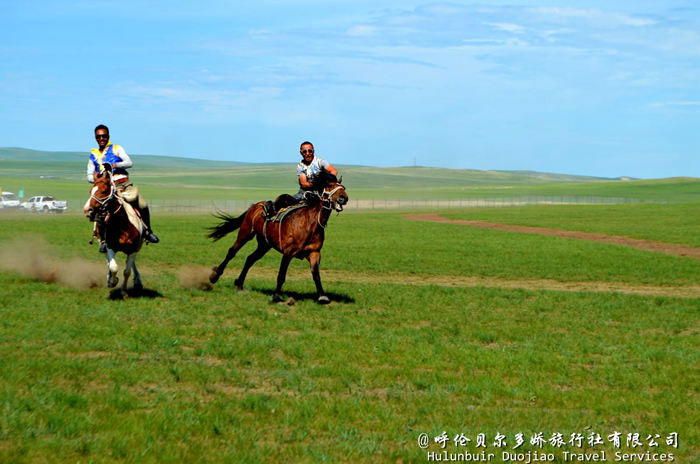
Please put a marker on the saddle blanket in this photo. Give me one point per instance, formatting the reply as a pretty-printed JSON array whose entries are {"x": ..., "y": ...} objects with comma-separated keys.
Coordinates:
[
  {"x": 134, "y": 216},
  {"x": 282, "y": 213}
]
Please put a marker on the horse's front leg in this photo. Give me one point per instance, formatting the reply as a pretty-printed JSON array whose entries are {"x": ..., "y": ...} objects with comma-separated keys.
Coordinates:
[
  {"x": 314, "y": 262},
  {"x": 112, "y": 267},
  {"x": 281, "y": 276}
]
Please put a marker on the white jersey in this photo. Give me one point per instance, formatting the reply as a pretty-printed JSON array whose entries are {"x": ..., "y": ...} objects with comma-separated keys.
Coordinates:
[{"x": 313, "y": 170}]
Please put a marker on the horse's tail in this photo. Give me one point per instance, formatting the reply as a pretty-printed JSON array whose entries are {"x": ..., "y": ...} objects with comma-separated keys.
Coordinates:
[{"x": 228, "y": 225}]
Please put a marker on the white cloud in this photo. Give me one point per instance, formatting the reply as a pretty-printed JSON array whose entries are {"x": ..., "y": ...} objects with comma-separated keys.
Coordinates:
[
  {"x": 201, "y": 96},
  {"x": 597, "y": 16},
  {"x": 256, "y": 33},
  {"x": 508, "y": 27},
  {"x": 361, "y": 31}
]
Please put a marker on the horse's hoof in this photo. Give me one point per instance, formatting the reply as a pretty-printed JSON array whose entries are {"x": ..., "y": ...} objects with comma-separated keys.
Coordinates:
[
  {"x": 323, "y": 299},
  {"x": 238, "y": 284},
  {"x": 214, "y": 276},
  {"x": 138, "y": 286},
  {"x": 111, "y": 283},
  {"x": 277, "y": 298}
]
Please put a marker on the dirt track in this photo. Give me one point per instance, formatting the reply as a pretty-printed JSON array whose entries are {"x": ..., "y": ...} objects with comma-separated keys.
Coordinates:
[
  {"x": 329, "y": 275},
  {"x": 667, "y": 248}
]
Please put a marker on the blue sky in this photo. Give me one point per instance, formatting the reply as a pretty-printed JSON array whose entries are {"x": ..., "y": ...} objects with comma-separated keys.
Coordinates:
[{"x": 604, "y": 88}]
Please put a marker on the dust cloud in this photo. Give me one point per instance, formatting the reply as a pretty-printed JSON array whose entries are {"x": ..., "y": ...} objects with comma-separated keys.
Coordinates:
[
  {"x": 195, "y": 277},
  {"x": 32, "y": 258}
]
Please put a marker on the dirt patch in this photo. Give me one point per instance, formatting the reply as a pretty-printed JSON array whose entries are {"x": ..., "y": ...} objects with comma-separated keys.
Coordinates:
[
  {"x": 659, "y": 247},
  {"x": 469, "y": 281}
]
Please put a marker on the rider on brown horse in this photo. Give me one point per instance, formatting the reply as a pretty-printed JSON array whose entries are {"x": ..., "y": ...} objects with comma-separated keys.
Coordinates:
[
  {"x": 300, "y": 234},
  {"x": 308, "y": 170},
  {"x": 115, "y": 156}
]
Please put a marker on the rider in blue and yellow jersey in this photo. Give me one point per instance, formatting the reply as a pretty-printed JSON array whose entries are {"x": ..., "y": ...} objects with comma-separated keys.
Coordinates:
[{"x": 115, "y": 156}]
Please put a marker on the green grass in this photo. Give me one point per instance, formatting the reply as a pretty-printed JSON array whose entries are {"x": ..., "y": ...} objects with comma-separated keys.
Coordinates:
[
  {"x": 386, "y": 243},
  {"x": 223, "y": 376}
]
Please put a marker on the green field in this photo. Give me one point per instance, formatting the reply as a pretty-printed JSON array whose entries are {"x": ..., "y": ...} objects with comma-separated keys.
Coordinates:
[{"x": 433, "y": 328}]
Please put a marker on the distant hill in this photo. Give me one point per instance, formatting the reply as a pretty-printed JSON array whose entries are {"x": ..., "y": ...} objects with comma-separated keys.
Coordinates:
[
  {"x": 31, "y": 161},
  {"x": 174, "y": 179},
  {"x": 25, "y": 154}
]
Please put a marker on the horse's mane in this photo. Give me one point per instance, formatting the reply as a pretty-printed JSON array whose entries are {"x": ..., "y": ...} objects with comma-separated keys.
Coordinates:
[{"x": 323, "y": 179}]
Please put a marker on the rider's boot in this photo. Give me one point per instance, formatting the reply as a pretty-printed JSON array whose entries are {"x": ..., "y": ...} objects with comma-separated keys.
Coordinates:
[
  {"x": 97, "y": 232},
  {"x": 146, "y": 216}
]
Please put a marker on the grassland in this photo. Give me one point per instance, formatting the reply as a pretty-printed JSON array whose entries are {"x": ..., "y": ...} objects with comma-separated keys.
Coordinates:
[{"x": 185, "y": 375}]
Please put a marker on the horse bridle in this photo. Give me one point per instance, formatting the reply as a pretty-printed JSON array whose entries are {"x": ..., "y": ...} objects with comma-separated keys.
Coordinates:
[
  {"x": 327, "y": 195},
  {"x": 326, "y": 199},
  {"x": 100, "y": 210}
]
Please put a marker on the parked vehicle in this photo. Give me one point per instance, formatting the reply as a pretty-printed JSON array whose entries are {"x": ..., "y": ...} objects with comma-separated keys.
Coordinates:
[
  {"x": 45, "y": 204},
  {"x": 9, "y": 200}
]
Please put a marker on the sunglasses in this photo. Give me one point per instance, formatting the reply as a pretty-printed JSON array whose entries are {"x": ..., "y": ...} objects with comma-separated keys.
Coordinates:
[
  {"x": 102, "y": 136},
  {"x": 303, "y": 152}
]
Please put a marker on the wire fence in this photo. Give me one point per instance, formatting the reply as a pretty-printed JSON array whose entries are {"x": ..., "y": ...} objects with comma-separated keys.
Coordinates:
[{"x": 199, "y": 206}]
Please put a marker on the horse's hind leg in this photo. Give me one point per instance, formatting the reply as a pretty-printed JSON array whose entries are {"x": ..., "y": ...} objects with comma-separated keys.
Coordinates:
[
  {"x": 241, "y": 240},
  {"x": 314, "y": 261},
  {"x": 259, "y": 252},
  {"x": 127, "y": 269},
  {"x": 281, "y": 276},
  {"x": 138, "y": 285},
  {"x": 112, "y": 267}
]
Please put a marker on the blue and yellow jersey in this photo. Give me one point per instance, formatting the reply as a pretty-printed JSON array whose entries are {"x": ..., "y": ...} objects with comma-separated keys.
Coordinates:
[{"x": 113, "y": 154}]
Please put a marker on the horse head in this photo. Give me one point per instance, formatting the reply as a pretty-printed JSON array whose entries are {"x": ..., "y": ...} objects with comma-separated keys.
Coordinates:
[
  {"x": 333, "y": 193},
  {"x": 101, "y": 194}
]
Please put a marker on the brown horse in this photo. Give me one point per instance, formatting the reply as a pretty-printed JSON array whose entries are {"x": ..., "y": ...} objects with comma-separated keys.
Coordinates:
[
  {"x": 299, "y": 235},
  {"x": 120, "y": 225}
]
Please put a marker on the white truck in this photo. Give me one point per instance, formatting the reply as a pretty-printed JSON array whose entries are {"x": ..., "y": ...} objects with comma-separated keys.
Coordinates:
[
  {"x": 9, "y": 200},
  {"x": 45, "y": 204}
]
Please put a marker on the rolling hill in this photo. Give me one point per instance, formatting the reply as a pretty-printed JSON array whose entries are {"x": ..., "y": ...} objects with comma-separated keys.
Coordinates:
[{"x": 167, "y": 178}]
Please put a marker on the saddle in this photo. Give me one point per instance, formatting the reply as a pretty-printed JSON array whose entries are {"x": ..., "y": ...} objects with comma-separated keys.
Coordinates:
[{"x": 283, "y": 212}]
